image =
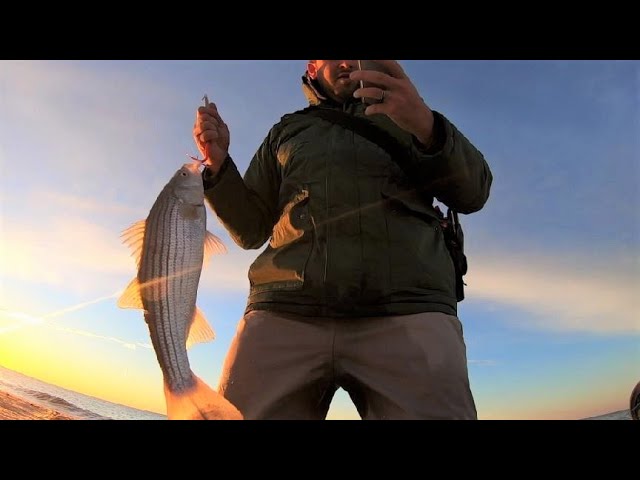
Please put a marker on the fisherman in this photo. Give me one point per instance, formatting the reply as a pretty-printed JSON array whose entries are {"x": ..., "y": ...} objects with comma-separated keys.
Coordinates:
[{"x": 356, "y": 287}]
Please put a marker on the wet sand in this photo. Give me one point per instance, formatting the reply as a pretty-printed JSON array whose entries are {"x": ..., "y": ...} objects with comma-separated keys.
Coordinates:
[{"x": 15, "y": 408}]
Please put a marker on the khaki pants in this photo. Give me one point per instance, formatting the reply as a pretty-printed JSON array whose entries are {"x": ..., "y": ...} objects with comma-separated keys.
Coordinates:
[{"x": 284, "y": 366}]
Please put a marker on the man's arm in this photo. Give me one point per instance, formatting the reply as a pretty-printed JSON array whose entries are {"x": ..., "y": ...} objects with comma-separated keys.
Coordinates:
[
  {"x": 442, "y": 161},
  {"x": 451, "y": 168},
  {"x": 247, "y": 207}
]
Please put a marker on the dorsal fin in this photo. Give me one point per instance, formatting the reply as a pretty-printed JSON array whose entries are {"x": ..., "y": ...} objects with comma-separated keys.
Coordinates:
[{"x": 133, "y": 237}]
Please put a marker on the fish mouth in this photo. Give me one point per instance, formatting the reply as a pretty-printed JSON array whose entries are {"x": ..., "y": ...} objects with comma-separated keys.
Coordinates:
[{"x": 193, "y": 167}]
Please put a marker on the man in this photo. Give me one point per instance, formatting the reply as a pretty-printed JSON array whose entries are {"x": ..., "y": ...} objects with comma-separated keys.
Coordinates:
[{"x": 356, "y": 287}]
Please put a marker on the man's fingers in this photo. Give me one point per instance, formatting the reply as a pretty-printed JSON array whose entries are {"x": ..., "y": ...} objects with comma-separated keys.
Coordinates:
[
  {"x": 215, "y": 117},
  {"x": 376, "y": 108},
  {"x": 210, "y": 110},
  {"x": 211, "y": 124},
  {"x": 224, "y": 133},
  {"x": 209, "y": 136},
  {"x": 373, "y": 93},
  {"x": 393, "y": 68},
  {"x": 205, "y": 117},
  {"x": 210, "y": 107},
  {"x": 378, "y": 79},
  {"x": 209, "y": 129},
  {"x": 204, "y": 126}
]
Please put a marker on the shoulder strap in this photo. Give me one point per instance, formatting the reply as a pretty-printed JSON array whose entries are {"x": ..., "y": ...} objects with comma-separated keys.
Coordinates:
[
  {"x": 365, "y": 129},
  {"x": 454, "y": 235}
]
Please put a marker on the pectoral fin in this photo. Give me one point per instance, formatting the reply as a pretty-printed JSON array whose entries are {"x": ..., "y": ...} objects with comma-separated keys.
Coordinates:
[
  {"x": 199, "y": 331},
  {"x": 212, "y": 246}
]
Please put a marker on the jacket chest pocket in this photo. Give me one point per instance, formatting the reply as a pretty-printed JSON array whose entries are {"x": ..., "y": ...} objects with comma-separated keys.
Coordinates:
[{"x": 282, "y": 265}]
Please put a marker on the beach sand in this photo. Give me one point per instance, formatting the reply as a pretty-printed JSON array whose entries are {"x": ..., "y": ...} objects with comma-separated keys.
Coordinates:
[{"x": 15, "y": 408}]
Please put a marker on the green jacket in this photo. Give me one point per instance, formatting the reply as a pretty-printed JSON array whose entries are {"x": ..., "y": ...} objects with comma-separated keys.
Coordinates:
[{"x": 349, "y": 232}]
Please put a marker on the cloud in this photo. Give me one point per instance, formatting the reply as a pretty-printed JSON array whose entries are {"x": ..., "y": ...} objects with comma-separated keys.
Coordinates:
[
  {"x": 586, "y": 296},
  {"x": 70, "y": 252},
  {"x": 82, "y": 94},
  {"x": 80, "y": 253},
  {"x": 124, "y": 343},
  {"x": 87, "y": 258},
  {"x": 563, "y": 293},
  {"x": 11, "y": 321},
  {"x": 18, "y": 320},
  {"x": 98, "y": 157},
  {"x": 66, "y": 202},
  {"x": 228, "y": 271},
  {"x": 93, "y": 121}
]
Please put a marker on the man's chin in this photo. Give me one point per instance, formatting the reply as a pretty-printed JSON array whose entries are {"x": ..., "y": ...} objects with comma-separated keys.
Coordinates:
[
  {"x": 346, "y": 82},
  {"x": 346, "y": 91}
]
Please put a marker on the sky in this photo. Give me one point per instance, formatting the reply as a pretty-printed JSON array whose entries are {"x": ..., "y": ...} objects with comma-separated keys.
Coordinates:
[{"x": 552, "y": 313}]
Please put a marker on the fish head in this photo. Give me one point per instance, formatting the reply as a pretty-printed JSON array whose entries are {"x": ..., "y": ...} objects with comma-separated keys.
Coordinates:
[{"x": 187, "y": 184}]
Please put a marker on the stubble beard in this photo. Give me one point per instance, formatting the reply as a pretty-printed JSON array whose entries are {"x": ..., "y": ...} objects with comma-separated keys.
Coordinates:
[{"x": 342, "y": 89}]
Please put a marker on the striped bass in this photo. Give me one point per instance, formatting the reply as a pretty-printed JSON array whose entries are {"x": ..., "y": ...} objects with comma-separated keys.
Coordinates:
[{"x": 170, "y": 247}]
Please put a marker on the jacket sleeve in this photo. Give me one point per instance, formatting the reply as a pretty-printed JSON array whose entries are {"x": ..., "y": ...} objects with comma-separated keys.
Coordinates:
[
  {"x": 452, "y": 170},
  {"x": 246, "y": 207}
]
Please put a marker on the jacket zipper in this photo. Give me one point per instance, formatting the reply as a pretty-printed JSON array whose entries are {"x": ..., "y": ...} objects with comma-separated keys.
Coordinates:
[{"x": 327, "y": 220}]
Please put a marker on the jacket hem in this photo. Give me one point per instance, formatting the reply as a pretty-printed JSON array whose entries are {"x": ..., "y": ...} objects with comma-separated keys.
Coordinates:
[{"x": 353, "y": 311}]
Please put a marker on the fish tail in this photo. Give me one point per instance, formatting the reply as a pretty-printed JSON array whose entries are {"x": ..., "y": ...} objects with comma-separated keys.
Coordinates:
[{"x": 200, "y": 402}]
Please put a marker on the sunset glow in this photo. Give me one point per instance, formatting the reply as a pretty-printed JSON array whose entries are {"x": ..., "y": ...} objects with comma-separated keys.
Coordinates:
[{"x": 551, "y": 316}]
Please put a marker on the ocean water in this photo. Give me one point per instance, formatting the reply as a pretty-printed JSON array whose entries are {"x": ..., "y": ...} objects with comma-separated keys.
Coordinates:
[
  {"x": 86, "y": 407},
  {"x": 68, "y": 402},
  {"x": 621, "y": 415}
]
